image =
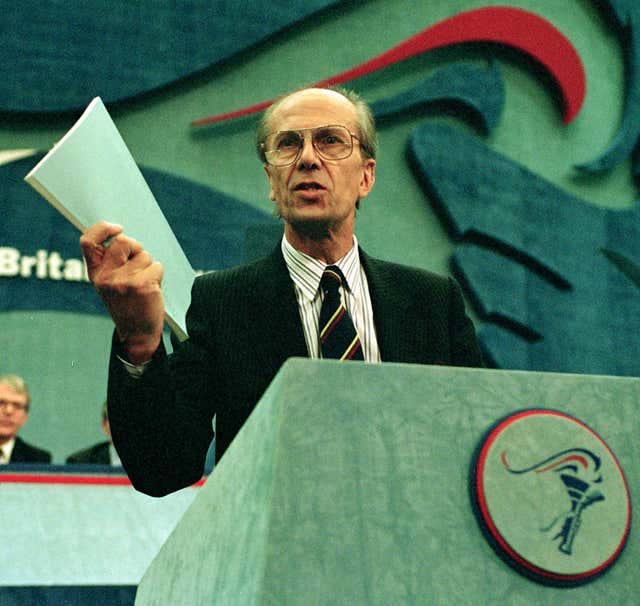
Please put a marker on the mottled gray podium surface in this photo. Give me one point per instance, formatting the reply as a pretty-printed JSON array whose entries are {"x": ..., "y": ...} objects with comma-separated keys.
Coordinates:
[{"x": 349, "y": 485}]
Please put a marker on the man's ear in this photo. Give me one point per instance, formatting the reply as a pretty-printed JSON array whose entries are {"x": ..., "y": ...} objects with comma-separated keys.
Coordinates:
[
  {"x": 368, "y": 177},
  {"x": 272, "y": 196}
]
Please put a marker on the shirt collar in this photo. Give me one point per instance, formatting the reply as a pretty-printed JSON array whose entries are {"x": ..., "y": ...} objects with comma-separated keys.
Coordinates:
[
  {"x": 7, "y": 448},
  {"x": 114, "y": 457},
  {"x": 306, "y": 272}
]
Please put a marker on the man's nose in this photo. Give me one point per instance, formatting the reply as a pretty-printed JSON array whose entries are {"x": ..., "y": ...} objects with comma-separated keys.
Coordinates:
[{"x": 308, "y": 154}]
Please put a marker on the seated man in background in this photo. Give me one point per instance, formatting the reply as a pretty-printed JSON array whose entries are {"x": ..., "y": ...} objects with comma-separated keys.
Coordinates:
[
  {"x": 14, "y": 412},
  {"x": 102, "y": 453}
]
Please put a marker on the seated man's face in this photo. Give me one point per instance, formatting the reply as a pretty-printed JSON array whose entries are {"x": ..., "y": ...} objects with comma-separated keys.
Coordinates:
[{"x": 13, "y": 412}]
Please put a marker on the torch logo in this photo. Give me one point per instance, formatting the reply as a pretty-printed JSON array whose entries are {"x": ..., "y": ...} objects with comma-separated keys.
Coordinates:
[
  {"x": 534, "y": 475},
  {"x": 579, "y": 471}
]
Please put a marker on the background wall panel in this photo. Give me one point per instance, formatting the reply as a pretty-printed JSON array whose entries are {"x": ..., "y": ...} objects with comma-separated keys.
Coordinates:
[{"x": 63, "y": 355}]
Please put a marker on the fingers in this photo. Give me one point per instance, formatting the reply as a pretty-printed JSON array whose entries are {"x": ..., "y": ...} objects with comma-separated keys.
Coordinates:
[
  {"x": 118, "y": 265},
  {"x": 92, "y": 243},
  {"x": 106, "y": 249},
  {"x": 100, "y": 231},
  {"x": 120, "y": 250},
  {"x": 127, "y": 268},
  {"x": 156, "y": 271},
  {"x": 129, "y": 283},
  {"x": 143, "y": 276}
]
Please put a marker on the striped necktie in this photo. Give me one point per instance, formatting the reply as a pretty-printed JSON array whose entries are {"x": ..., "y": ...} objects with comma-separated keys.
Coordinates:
[{"x": 338, "y": 336}]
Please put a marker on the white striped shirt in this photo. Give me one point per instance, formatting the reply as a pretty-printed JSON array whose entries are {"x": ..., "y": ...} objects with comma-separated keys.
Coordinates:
[
  {"x": 306, "y": 272},
  {"x": 5, "y": 451}
]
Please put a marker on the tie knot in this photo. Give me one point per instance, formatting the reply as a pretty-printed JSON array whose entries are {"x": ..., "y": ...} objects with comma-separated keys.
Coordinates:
[{"x": 331, "y": 278}]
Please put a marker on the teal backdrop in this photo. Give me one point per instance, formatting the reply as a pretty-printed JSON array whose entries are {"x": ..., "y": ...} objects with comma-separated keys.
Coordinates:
[{"x": 63, "y": 355}]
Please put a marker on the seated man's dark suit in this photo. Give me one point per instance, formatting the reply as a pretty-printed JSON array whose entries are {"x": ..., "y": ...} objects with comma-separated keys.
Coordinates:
[
  {"x": 243, "y": 324},
  {"x": 25, "y": 453},
  {"x": 98, "y": 454}
]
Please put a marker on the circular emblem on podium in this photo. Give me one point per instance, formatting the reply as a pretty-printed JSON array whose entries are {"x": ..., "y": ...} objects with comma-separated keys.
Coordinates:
[{"x": 550, "y": 497}]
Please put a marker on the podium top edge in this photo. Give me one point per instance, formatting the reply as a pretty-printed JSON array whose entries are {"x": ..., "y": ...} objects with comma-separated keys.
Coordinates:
[{"x": 295, "y": 362}]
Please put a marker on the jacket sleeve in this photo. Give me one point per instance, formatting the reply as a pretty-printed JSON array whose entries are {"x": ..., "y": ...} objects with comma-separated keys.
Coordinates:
[{"x": 161, "y": 423}]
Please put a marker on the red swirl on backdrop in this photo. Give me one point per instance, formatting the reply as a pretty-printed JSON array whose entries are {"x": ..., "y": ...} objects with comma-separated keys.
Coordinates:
[{"x": 515, "y": 27}]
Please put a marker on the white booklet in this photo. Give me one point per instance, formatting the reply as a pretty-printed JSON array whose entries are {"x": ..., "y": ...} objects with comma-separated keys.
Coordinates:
[{"x": 90, "y": 176}]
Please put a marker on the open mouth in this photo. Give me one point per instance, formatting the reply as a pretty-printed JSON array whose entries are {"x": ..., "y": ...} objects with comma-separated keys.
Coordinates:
[{"x": 312, "y": 186}]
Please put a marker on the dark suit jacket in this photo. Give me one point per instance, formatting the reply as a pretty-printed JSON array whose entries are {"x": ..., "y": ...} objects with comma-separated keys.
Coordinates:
[
  {"x": 25, "y": 453},
  {"x": 98, "y": 454},
  {"x": 243, "y": 324}
]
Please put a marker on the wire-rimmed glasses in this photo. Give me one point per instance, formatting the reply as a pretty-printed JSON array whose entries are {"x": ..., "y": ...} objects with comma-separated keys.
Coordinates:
[{"x": 331, "y": 142}]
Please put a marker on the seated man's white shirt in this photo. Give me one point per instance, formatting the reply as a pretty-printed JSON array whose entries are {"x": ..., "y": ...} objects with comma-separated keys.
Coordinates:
[{"x": 6, "y": 450}]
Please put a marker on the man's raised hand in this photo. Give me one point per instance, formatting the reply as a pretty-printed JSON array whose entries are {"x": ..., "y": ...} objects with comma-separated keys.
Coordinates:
[{"x": 128, "y": 281}]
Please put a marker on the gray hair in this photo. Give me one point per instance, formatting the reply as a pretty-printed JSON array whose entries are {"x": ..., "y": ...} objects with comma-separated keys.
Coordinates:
[
  {"x": 17, "y": 384},
  {"x": 364, "y": 116}
]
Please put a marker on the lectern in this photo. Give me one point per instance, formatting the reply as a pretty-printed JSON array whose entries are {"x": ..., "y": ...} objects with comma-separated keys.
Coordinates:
[{"x": 349, "y": 484}]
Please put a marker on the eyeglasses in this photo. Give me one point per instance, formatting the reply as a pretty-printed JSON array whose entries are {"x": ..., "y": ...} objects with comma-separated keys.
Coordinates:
[
  {"x": 8, "y": 404},
  {"x": 332, "y": 142}
]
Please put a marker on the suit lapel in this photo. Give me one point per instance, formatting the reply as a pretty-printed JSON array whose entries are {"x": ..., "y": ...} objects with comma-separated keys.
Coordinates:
[
  {"x": 18, "y": 455},
  {"x": 275, "y": 322},
  {"x": 391, "y": 307}
]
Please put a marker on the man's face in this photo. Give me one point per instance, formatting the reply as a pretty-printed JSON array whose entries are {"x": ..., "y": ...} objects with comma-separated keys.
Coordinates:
[
  {"x": 312, "y": 190},
  {"x": 13, "y": 412},
  {"x": 106, "y": 428}
]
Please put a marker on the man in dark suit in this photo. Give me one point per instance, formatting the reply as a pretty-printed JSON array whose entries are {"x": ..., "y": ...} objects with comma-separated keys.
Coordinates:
[
  {"x": 14, "y": 412},
  {"x": 318, "y": 149},
  {"x": 102, "y": 453},
  {"x": 98, "y": 454}
]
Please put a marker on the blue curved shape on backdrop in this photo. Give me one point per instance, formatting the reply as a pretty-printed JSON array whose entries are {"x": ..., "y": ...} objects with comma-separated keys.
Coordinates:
[
  {"x": 62, "y": 54},
  {"x": 478, "y": 90},
  {"x": 624, "y": 16},
  {"x": 553, "y": 276},
  {"x": 211, "y": 227}
]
